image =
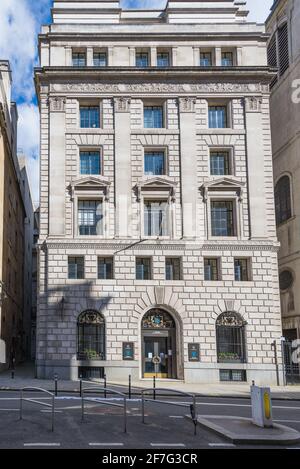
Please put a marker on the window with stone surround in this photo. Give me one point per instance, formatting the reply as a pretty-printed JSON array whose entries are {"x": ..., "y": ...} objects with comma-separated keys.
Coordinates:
[
  {"x": 156, "y": 218},
  {"x": 78, "y": 58},
  {"x": 212, "y": 269},
  {"x": 230, "y": 336},
  {"x": 206, "y": 59},
  {"x": 91, "y": 336},
  {"x": 218, "y": 116},
  {"x": 90, "y": 217},
  {"x": 155, "y": 163},
  {"x": 89, "y": 117},
  {"x": 142, "y": 59},
  {"x": 90, "y": 162},
  {"x": 283, "y": 203},
  {"x": 242, "y": 270},
  {"x": 143, "y": 268},
  {"x": 163, "y": 58},
  {"x": 153, "y": 117},
  {"x": 173, "y": 268},
  {"x": 220, "y": 163},
  {"x": 105, "y": 268},
  {"x": 222, "y": 218},
  {"x": 100, "y": 59},
  {"x": 227, "y": 59},
  {"x": 76, "y": 268}
]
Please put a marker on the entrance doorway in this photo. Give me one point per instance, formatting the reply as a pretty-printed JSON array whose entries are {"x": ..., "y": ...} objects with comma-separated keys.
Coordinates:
[{"x": 159, "y": 345}]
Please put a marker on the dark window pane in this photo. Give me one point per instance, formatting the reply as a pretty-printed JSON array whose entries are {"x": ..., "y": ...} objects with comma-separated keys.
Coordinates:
[
  {"x": 227, "y": 59},
  {"x": 173, "y": 269},
  {"x": 90, "y": 162},
  {"x": 91, "y": 336},
  {"x": 163, "y": 59},
  {"x": 205, "y": 59},
  {"x": 79, "y": 59},
  {"x": 217, "y": 117},
  {"x": 230, "y": 332},
  {"x": 154, "y": 163},
  {"x": 100, "y": 59},
  {"x": 219, "y": 163},
  {"x": 283, "y": 200},
  {"x": 222, "y": 218},
  {"x": 241, "y": 270},
  {"x": 211, "y": 270},
  {"x": 143, "y": 268},
  {"x": 142, "y": 59},
  {"x": 89, "y": 117},
  {"x": 105, "y": 268},
  {"x": 76, "y": 267},
  {"x": 153, "y": 117}
]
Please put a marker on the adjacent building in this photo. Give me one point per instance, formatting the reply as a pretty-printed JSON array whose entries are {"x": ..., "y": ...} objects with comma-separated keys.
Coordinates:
[
  {"x": 284, "y": 53},
  {"x": 158, "y": 245},
  {"x": 16, "y": 216}
]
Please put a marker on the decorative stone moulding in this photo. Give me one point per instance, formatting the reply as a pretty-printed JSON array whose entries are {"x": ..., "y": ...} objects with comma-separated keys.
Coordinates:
[
  {"x": 122, "y": 104},
  {"x": 187, "y": 104},
  {"x": 222, "y": 185},
  {"x": 57, "y": 104},
  {"x": 253, "y": 103},
  {"x": 156, "y": 183},
  {"x": 98, "y": 183}
]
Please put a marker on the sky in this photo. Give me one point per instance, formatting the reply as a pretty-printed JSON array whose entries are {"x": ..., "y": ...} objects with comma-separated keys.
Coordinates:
[{"x": 20, "y": 23}]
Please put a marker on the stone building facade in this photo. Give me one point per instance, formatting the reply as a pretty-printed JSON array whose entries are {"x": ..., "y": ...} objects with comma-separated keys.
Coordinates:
[
  {"x": 16, "y": 216},
  {"x": 158, "y": 247},
  {"x": 284, "y": 52}
]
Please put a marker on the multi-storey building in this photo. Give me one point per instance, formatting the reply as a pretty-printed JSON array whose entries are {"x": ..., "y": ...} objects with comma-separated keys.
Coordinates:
[
  {"x": 158, "y": 247},
  {"x": 284, "y": 53},
  {"x": 15, "y": 238}
]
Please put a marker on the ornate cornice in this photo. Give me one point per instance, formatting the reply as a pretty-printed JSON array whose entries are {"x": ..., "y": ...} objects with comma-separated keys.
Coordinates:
[
  {"x": 253, "y": 104},
  {"x": 57, "y": 104},
  {"x": 122, "y": 104}
]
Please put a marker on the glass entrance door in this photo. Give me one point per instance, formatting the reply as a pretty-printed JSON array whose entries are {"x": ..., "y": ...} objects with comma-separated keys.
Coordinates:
[{"x": 156, "y": 359}]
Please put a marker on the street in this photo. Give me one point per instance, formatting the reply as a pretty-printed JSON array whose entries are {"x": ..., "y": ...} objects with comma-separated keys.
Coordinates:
[{"x": 166, "y": 426}]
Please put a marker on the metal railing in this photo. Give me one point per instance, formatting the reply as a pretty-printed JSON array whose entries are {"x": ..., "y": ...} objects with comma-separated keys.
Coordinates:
[
  {"x": 104, "y": 390},
  {"x": 192, "y": 406},
  {"x": 34, "y": 401}
]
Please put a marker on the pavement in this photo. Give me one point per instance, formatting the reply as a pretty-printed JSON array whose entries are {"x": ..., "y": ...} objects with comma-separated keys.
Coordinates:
[{"x": 24, "y": 377}]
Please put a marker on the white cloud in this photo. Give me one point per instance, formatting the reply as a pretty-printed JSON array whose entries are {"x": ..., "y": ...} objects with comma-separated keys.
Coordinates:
[{"x": 259, "y": 10}]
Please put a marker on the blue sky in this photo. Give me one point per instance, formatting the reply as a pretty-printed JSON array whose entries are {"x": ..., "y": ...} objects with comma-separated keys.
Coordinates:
[{"x": 20, "y": 23}]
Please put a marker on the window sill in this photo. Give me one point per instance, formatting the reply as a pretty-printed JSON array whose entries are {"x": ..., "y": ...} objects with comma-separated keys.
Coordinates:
[
  {"x": 161, "y": 130},
  {"x": 79, "y": 130},
  {"x": 226, "y": 130}
]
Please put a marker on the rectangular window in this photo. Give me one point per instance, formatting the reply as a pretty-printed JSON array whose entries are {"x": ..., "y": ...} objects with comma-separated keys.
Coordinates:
[
  {"x": 233, "y": 375},
  {"x": 220, "y": 163},
  {"x": 143, "y": 268},
  {"x": 153, "y": 117},
  {"x": 227, "y": 59},
  {"x": 163, "y": 59},
  {"x": 142, "y": 59},
  {"x": 90, "y": 217},
  {"x": 155, "y": 218},
  {"x": 211, "y": 270},
  {"x": 222, "y": 221},
  {"x": 205, "y": 59},
  {"x": 89, "y": 117},
  {"x": 173, "y": 268},
  {"x": 241, "y": 270},
  {"x": 79, "y": 59},
  {"x": 105, "y": 268},
  {"x": 90, "y": 162},
  {"x": 100, "y": 59},
  {"x": 154, "y": 162},
  {"x": 76, "y": 267},
  {"x": 217, "y": 117}
]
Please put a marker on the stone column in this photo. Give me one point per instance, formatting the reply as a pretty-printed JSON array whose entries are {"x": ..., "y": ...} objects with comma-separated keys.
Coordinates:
[
  {"x": 256, "y": 170},
  {"x": 153, "y": 61},
  {"x": 57, "y": 149},
  {"x": 188, "y": 156},
  {"x": 123, "y": 167},
  {"x": 218, "y": 56},
  {"x": 90, "y": 57}
]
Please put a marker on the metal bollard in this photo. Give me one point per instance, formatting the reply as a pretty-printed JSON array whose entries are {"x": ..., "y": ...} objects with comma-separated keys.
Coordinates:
[
  {"x": 80, "y": 387},
  {"x": 55, "y": 384},
  {"x": 129, "y": 387},
  {"x": 154, "y": 386},
  {"x": 105, "y": 385}
]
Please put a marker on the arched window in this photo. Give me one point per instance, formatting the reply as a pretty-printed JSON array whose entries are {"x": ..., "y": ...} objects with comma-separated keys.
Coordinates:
[
  {"x": 230, "y": 330},
  {"x": 283, "y": 200},
  {"x": 91, "y": 336}
]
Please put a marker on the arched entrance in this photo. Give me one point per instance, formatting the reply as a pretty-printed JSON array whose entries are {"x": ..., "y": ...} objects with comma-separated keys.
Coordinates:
[{"x": 158, "y": 345}]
